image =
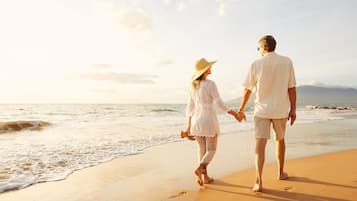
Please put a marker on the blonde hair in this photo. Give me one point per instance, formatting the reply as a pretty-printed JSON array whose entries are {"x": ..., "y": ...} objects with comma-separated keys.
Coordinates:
[{"x": 196, "y": 82}]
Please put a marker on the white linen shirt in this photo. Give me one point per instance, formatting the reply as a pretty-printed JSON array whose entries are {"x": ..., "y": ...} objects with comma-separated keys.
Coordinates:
[
  {"x": 201, "y": 108},
  {"x": 272, "y": 76}
]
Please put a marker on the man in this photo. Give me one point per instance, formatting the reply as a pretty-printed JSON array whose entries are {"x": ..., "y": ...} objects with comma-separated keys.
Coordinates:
[{"x": 275, "y": 103}]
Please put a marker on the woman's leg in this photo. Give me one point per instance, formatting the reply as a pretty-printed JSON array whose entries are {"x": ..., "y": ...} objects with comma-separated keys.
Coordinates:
[
  {"x": 211, "y": 143},
  {"x": 211, "y": 150},
  {"x": 201, "y": 141}
]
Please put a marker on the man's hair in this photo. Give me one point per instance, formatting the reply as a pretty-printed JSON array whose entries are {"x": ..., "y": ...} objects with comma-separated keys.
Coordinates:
[{"x": 268, "y": 42}]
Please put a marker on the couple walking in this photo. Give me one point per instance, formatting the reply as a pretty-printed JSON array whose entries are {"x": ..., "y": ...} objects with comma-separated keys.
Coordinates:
[{"x": 273, "y": 78}]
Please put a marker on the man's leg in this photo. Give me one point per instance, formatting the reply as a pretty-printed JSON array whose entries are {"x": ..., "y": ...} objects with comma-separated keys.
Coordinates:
[
  {"x": 260, "y": 144},
  {"x": 279, "y": 126},
  {"x": 280, "y": 156}
]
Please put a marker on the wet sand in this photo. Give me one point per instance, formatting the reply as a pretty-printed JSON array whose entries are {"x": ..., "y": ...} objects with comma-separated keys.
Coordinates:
[{"x": 331, "y": 177}]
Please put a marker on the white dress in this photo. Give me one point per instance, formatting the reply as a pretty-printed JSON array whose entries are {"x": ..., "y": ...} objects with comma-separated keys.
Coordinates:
[{"x": 201, "y": 108}]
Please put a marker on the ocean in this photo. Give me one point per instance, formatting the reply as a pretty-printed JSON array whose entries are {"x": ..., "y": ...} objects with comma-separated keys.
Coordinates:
[{"x": 47, "y": 142}]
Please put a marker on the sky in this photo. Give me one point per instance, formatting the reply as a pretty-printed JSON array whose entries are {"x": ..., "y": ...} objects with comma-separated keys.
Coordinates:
[{"x": 144, "y": 51}]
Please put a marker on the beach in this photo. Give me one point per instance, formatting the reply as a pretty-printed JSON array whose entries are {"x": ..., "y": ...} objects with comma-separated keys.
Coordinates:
[
  {"x": 165, "y": 172},
  {"x": 97, "y": 95},
  {"x": 330, "y": 177}
]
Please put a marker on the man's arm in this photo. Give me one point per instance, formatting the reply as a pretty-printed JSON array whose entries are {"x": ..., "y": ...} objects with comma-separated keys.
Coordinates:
[
  {"x": 292, "y": 98},
  {"x": 241, "y": 113}
]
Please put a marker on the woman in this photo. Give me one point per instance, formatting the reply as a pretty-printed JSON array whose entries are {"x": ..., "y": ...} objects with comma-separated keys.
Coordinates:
[{"x": 202, "y": 120}]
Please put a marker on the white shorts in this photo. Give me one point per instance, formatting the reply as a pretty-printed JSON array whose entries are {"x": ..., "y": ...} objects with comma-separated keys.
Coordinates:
[{"x": 262, "y": 127}]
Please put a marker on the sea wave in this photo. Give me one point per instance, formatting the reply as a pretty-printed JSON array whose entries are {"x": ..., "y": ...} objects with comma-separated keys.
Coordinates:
[
  {"x": 163, "y": 110},
  {"x": 43, "y": 164},
  {"x": 12, "y": 126},
  {"x": 330, "y": 107},
  {"x": 87, "y": 135}
]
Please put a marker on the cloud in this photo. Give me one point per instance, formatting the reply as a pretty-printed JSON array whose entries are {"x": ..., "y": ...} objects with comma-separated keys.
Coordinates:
[
  {"x": 181, "y": 6},
  {"x": 166, "y": 2},
  {"x": 166, "y": 62},
  {"x": 105, "y": 91},
  {"x": 121, "y": 78},
  {"x": 102, "y": 65},
  {"x": 221, "y": 7},
  {"x": 135, "y": 20}
]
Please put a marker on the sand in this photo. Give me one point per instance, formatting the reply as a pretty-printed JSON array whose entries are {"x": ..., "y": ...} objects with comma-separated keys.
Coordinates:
[
  {"x": 165, "y": 172},
  {"x": 331, "y": 177}
]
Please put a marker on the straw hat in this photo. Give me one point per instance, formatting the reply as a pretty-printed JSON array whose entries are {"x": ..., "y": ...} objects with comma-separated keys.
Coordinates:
[{"x": 201, "y": 66}]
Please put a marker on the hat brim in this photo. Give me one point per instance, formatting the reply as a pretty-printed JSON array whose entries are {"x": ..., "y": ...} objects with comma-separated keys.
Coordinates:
[{"x": 197, "y": 74}]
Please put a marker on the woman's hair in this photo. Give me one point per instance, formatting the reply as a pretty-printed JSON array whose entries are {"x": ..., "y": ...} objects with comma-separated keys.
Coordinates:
[{"x": 196, "y": 82}]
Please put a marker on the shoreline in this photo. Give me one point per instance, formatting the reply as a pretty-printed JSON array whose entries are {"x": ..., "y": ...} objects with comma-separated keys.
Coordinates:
[{"x": 162, "y": 170}]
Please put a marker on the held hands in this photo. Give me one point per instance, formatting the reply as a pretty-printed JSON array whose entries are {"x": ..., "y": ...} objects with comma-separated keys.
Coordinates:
[{"x": 239, "y": 116}]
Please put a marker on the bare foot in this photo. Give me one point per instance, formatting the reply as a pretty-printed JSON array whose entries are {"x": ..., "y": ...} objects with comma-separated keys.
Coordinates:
[
  {"x": 257, "y": 187},
  {"x": 283, "y": 176},
  {"x": 198, "y": 173},
  {"x": 207, "y": 179}
]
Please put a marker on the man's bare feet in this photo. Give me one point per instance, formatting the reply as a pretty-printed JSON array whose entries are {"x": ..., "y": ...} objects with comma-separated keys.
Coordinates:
[
  {"x": 283, "y": 176},
  {"x": 257, "y": 187}
]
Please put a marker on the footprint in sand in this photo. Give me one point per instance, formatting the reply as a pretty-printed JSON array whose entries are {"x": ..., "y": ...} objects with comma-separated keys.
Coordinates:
[
  {"x": 181, "y": 193},
  {"x": 289, "y": 188}
]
